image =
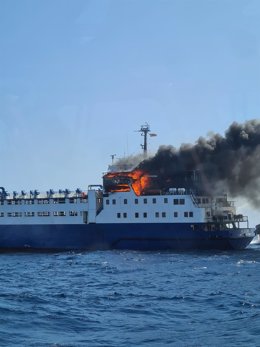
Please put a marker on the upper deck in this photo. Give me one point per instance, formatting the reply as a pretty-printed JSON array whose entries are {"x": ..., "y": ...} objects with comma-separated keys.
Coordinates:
[
  {"x": 42, "y": 207},
  {"x": 178, "y": 205}
]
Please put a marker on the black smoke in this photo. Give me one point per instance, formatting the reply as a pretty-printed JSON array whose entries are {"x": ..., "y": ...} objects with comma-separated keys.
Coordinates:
[{"x": 228, "y": 163}]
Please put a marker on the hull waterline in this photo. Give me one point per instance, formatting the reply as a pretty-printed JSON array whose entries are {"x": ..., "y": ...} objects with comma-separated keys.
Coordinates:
[{"x": 118, "y": 236}]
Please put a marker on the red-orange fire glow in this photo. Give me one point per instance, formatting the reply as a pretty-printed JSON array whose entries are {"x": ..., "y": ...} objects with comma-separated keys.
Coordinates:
[{"x": 138, "y": 180}]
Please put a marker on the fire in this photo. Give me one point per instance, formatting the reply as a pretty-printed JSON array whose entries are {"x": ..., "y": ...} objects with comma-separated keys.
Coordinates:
[
  {"x": 121, "y": 181},
  {"x": 140, "y": 181}
]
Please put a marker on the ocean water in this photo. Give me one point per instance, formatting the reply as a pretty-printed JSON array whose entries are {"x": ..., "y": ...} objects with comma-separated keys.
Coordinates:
[{"x": 124, "y": 298}]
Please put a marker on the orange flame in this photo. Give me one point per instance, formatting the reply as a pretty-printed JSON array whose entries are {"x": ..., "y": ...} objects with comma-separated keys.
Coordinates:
[{"x": 139, "y": 181}]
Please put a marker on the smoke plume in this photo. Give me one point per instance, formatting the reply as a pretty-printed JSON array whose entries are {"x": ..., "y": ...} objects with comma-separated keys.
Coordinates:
[
  {"x": 127, "y": 163},
  {"x": 230, "y": 163}
]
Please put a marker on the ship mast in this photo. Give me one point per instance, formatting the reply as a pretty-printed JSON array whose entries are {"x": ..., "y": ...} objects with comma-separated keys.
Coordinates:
[{"x": 144, "y": 130}]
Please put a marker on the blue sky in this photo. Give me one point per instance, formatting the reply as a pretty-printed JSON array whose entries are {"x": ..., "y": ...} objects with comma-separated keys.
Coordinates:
[{"x": 78, "y": 77}]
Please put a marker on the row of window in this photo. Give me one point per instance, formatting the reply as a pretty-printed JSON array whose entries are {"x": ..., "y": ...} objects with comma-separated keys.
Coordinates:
[
  {"x": 145, "y": 201},
  {"x": 186, "y": 214},
  {"x": 202, "y": 200},
  {"x": 40, "y": 214},
  {"x": 42, "y": 201}
]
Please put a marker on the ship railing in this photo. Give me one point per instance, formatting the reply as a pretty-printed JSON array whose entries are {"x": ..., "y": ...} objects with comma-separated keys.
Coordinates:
[
  {"x": 213, "y": 226},
  {"x": 233, "y": 221},
  {"x": 240, "y": 218},
  {"x": 226, "y": 203},
  {"x": 193, "y": 198},
  {"x": 234, "y": 218}
]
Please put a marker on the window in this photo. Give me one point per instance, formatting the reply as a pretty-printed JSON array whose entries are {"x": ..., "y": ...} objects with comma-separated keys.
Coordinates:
[
  {"x": 73, "y": 213},
  {"x": 186, "y": 214},
  {"x": 191, "y": 214},
  {"x": 175, "y": 214},
  {"x": 118, "y": 215},
  {"x": 145, "y": 201},
  {"x": 114, "y": 201},
  {"x": 154, "y": 201},
  {"x": 163, "y": 214},
  {"x": 136, "y": 201},
  {"x": 2, "y": 214},
  {"x": 145, "y": 214},
  {"x": 42, "y": 201},
  {"x": 59, "y": 213},
  {"x": 72, "y": 200},
  {"x": 17, "y": 214},
  {"x": 43, "y": 214},
  {"x": 125, "y": 201},
  {"x": 178, "y": 201},
  {"x": 29, "y": 214},
  {"x": 31, "y": 202},
  {"x": 165, "y": 200},
  {"x": 125, "y": 215},
  {"x": 14, "y": 214},
  {"x": 136, "y": 215},
  {"x": 107, "y": 202},
  {"x": 157, "y": 214}
]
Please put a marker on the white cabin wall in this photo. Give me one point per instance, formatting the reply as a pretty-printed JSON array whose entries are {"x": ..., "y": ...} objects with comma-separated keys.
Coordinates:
[{"x": 110, "y": 211}]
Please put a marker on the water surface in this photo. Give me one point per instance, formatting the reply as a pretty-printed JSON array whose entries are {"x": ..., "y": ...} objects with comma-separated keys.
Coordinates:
[{"x": 126, "y": 298}]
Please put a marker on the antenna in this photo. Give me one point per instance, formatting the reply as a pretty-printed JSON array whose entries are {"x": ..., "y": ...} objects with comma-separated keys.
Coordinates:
[{"x": 112, "y": 158}]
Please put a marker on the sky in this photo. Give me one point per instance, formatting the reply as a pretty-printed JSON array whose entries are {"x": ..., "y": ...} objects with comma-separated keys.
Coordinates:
[{"x": 79, "y": 77}]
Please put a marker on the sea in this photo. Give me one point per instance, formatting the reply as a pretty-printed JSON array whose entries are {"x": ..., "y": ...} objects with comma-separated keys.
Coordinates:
[{"x": 129, "y": 298}]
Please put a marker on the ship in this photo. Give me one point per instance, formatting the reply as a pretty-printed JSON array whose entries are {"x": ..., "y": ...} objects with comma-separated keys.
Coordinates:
[
  {"x": 115, "y": 216},
  {"x": 127, "y": 212}
]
